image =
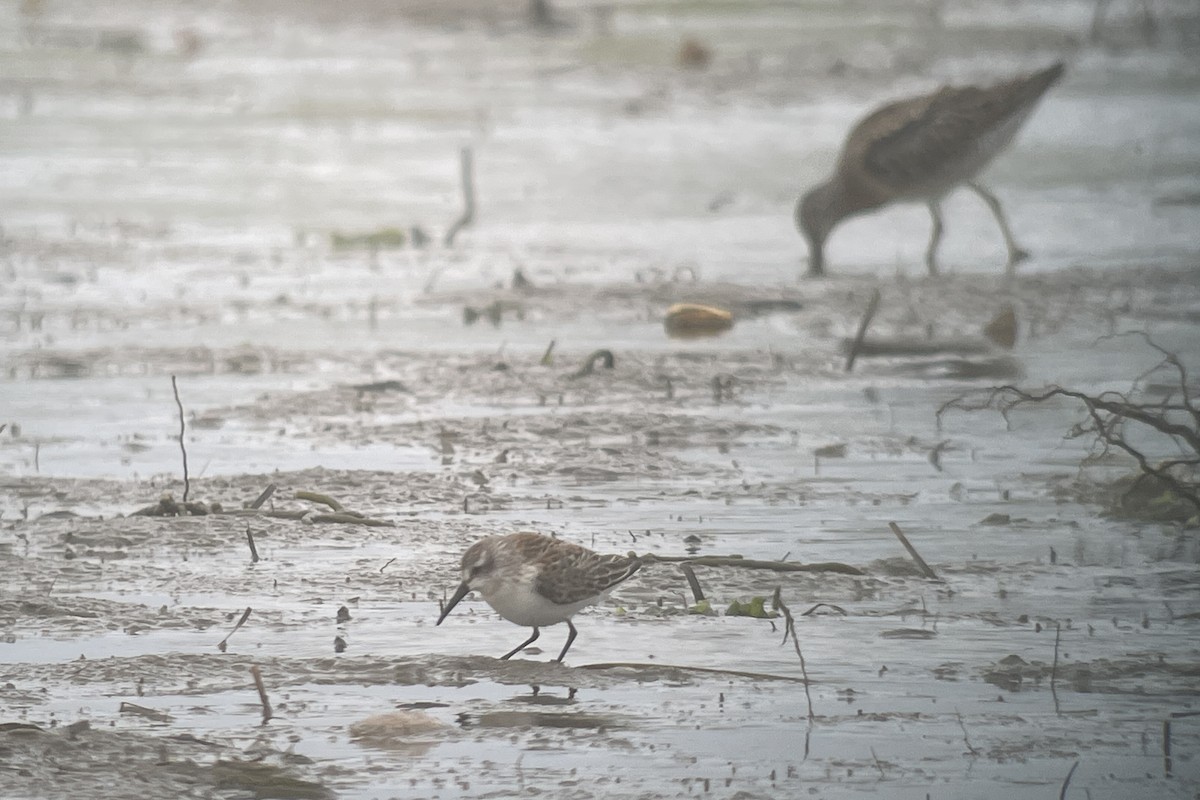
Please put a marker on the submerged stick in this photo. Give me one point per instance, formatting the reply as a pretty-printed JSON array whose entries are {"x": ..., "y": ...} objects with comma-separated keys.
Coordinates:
[
  {"x": 182, "y": 449},
  {"x": 690, "y": 574},
  {"x": 751, "y": 563},
  {"x": 240, "y": 623},
  {"x": 267, "y": 713},
  {"x": 912, "y": 551},
  {"x": 872, "y": 307},
  {"x": 467, "y": 169}
]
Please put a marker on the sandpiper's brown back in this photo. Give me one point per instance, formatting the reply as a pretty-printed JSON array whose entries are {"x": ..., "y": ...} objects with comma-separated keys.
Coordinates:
[{"x": 925, "y": 146}]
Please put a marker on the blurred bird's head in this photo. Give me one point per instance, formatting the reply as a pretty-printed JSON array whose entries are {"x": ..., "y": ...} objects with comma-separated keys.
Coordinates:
[
  {"x": 818, "y": 211},
  {"x": 478, "y": 573}
]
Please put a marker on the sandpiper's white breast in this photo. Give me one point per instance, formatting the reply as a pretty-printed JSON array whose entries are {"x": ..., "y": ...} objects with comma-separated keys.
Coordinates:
[{"x": 517, "y": 601}]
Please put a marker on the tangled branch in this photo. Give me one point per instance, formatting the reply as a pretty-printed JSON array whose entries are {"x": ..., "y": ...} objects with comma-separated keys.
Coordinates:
[{"x": 1175, "y": 419}]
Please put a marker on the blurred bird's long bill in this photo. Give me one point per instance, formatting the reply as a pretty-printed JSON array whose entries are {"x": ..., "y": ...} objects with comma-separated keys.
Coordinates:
[{"x": 459, "y": 594}]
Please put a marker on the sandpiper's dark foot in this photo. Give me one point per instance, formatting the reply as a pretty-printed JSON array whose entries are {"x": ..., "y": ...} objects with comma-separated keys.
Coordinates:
[{"x": 1017, "y": 256}]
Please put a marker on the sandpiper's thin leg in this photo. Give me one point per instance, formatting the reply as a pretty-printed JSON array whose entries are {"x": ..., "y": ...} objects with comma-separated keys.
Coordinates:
[
  {"x": 935, "y": 238},
  {"x": 1015, "y": 254},
  {"x": 570, "y": 638},
  {"x": 522, "y": 645}
]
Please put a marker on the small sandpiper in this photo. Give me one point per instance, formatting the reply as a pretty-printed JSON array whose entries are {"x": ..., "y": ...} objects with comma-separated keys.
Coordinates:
[
  {"x": 535, "y": 580},
  {"x": 921, "y": 149}
]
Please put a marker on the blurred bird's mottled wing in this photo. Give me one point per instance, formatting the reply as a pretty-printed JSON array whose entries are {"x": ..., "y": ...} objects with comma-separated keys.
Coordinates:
[{"x": 945, "y": 137}]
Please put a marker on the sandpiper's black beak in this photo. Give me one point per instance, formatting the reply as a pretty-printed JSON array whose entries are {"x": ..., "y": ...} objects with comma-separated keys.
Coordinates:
[{"x": 459, "y": 594}]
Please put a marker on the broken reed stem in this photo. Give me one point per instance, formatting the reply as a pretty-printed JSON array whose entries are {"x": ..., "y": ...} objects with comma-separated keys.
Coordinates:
[
  {"x": 872, "y": 307},
  {"x": 467, "y": 169},
  {"x": 264, "y": 497},
  {"x": 912, "y": 551},
  {"x": 790, "y": 630},
  {"x": 1062, "y": 793},
  {"x": 267, "y": 713},
  {"x": 182, "y": 449},
  {"x": 750, "y": 563},
  {"x": 240, "y": 623},
  {"x": 690, "y": 574},
  {"x": 253, "y": 549}
]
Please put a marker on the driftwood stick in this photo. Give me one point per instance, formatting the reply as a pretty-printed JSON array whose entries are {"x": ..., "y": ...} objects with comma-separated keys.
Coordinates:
[
  {"x": 317, "y": 497},
  {"x": 182, "y": 429},
  {"x": 265, "y": 496},
  {"x": 690, "y": 574},
  {"x": 240, "y": 623},
  {"x": 466, "y": 163},
  {"x": 865, "y": 323},
  {"x": 267, "y": 713},
  {"x": 912, "y": 551},
  {"x": 751, "y": 563},
  {"x": 763, "y": 676}
]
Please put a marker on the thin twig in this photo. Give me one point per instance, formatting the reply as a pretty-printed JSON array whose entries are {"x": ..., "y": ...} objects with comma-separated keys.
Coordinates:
[
  {"x": 790, "y": 630},
  {"x": 865, "y": 323},
  {"x": 182, "y": 449},
  {"x": 1062, "y": 793},
  {"x": 267, "y": 713},
  {"x": 467, "y": 170},
  {"x": 912, "y": 551}
]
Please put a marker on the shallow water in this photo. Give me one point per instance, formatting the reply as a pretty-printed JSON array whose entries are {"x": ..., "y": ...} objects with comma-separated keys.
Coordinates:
[{"x": 166, "y": 213}]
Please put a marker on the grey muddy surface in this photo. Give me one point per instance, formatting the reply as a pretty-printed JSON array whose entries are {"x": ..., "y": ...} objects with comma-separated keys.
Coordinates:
[{"x": 174, "y": 177}]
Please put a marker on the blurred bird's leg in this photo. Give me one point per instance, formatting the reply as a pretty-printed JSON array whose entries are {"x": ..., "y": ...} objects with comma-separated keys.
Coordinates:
[
  {"x": 522, "y": 645},
  {"x": 935, "y": 237},
  {"x": 1015, "y": 254}
]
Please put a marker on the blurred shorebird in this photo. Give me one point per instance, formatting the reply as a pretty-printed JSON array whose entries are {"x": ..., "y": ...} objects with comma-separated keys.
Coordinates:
[
  {"x": 535, "y": 580},
  {"x": 920, "y": 149}
]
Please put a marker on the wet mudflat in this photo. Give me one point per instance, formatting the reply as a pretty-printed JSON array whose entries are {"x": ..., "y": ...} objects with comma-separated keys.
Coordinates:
[{"x": 170, "y": 208}]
